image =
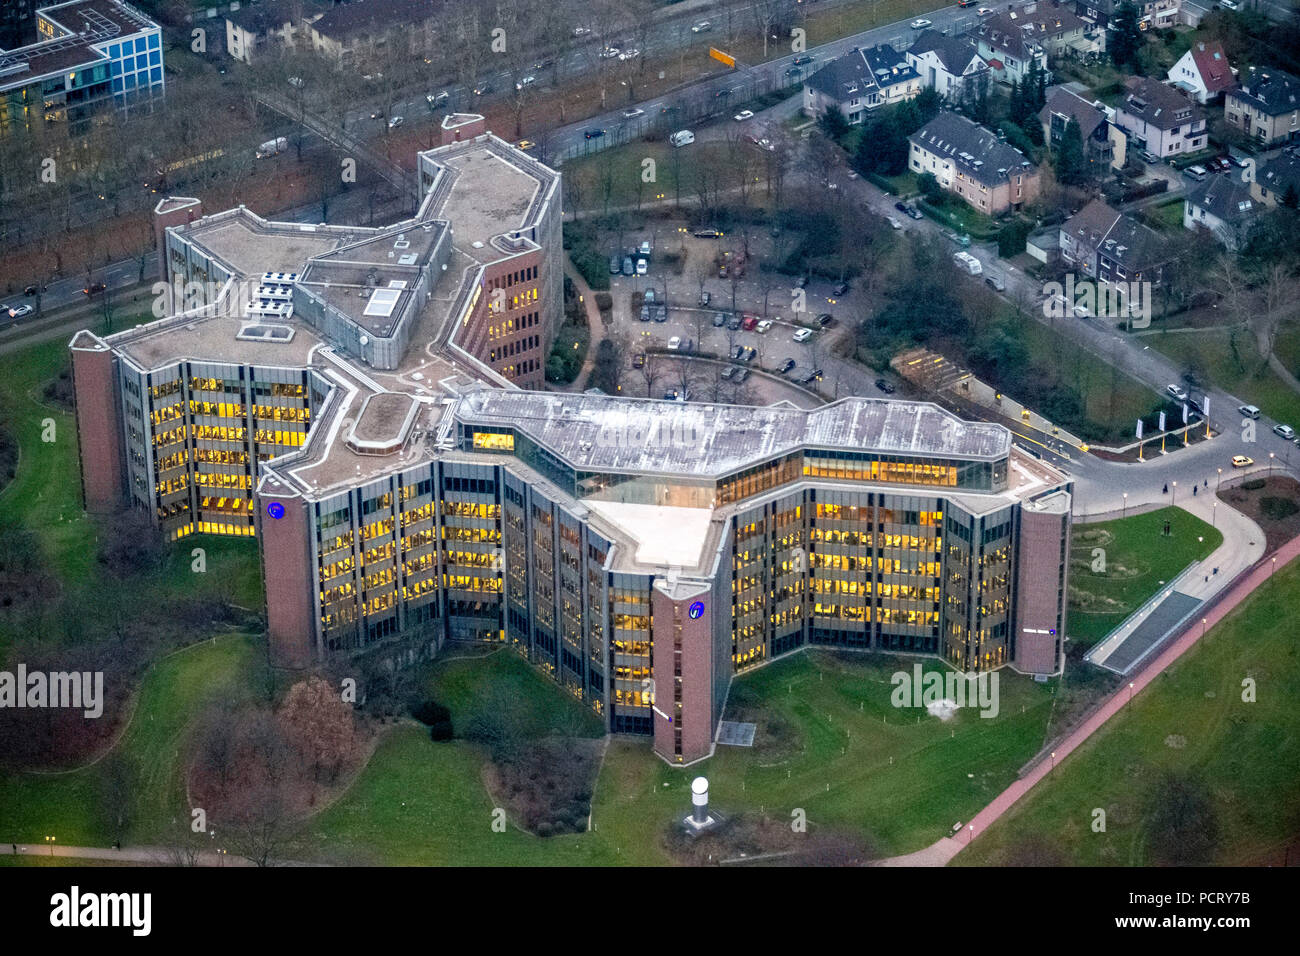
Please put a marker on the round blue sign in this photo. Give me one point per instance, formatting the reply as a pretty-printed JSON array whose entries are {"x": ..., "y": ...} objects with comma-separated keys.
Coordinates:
[
  {"x": 696, "y": 609},
  {"x": 275, "y": 510}
]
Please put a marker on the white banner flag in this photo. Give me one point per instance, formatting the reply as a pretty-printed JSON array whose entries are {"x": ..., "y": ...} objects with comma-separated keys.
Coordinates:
[
  {"x": 1162, "y": 420},
  {"x": 1184, "y": 413},
  {"x": 1139, "y": 431}
]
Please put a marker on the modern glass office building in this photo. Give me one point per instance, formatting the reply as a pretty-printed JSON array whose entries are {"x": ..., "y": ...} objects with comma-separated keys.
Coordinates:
[{"x": 407, "y": 485}]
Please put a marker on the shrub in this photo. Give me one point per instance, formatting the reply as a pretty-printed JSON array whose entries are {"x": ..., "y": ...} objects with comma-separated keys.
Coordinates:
[
  {"x": 440, "y": 731},
  {"x": 1253, "y": 485},
  {"x": 430, "y": 712},
  {"x": 1278, "y": 508}
]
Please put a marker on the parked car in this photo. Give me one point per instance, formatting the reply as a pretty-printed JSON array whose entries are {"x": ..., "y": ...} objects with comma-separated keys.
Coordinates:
[
  {"x": 609, "y": 53},
  {"x": 802, "y": 335},
  {"x": 738, "y": 353},
  {"x": 1286, "y": 431},
  {"x": 743, "y": 115},
  {"x": 763, "y": 326},
  {"x": 646, "y": 313},
  {"x": 825, "y": 319},
  {"x": 1177, "y": 392},
  {"x": 1250, "y": 411},
  {"x": 840, "y": 288},
  {"x": 650, "y": 294},
  {"x": 729, "y": 371},
  {"x": 734, "y": 323},
  {"x": 742, "y": 374},
  {"x": 914, "y": 213},
  {"x": 885, "y": 386},
  {"x": 812, "y": 376},
  {"x": 748, "y": 322},
  {"x": 645, "y": 248},
  {"x": 786, "y": 366},
  {"x": 642, "y": 267},
  {"x": 747, "y": 353},
  {"x": 675, "y": 343},
  {"x": 719, "y": 319},
  {"x": 920, "y": 23},
  {"x": 894, "y": 223},
  {"x": 1230, "y": 4},
  {"x": 1149, "y": 157},
  {"x": 629, "y": 267},
  {"x": 630, "y": 54},
  {"x": 661, "y": 313},
  {"x": 615, "y": 267},
  {"x": 704, "y": 302},
  {"x": 593, "y": 133},
  {"x": 638, "y": 360},
  {"x": 996, "y": 283}
]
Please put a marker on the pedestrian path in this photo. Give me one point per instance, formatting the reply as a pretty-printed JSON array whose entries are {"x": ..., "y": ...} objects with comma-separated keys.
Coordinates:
[{"x": 943, "y": 850}]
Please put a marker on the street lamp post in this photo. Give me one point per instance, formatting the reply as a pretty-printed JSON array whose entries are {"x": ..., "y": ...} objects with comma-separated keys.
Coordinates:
[
  {"x": 1130, "y": 692},
  {"x": 1053, "y": 759},
  {"x": 50, "y": 841},
  {"x": 1124, "y": 510},
  {"x": 1174, "y": 500},
  {"x": 1271, "y": 456},
  {"x": 1219, "y": 482}
]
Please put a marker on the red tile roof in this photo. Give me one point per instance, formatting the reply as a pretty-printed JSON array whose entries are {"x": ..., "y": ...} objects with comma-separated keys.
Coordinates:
[{"x": 1212, "y": 64}]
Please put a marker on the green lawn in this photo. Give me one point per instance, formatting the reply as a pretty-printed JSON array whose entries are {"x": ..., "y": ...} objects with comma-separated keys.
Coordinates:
[
  {"x": 839, "y": 727},
  {"x": 71, "y": 806},
  {"x": 1138, "y": 559},
  {"x": 1210, "y": 354},
  {"x": 1191, "y": 721},
  {"x": 1166, "y": 217}
]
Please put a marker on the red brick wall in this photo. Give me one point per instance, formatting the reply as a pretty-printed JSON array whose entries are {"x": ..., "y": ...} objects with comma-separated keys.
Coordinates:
[
  {"x": 99, "y": 431},
  {"x": 493, "y": 351},
  {"x": 696, "y": 714},
  {"x": 290, "y": 582},
  {"x": 1039, "y": 579}
]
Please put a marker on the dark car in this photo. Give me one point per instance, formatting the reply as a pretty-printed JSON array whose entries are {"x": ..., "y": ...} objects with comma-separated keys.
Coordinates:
[
  {"x": 803, "y": 60},
  {"x": 786, "y": 366},
  {"x": 645, "y": 313},
  {"x": 742, "y": 375},
  {"x": 734, "y": 323},
  {"x": 32, "y": 289},
  {"x": 729, "y": 371},
  {"x": 661, "y": 313},
  {"x": 739, "y": 353},
  {"x": 593, "y": 133},
  {"x": 840, "y": 288},
  {"x": 719, "y": 319},
  {"x": 885, "y": 387},
  {"x": 747, "y": 354},
  {"x": 639, "y": 360},
  {"x": 614, "y": 267},
  {"x": 825, "y": 320},
  {"x": 901, "y": 207},
  {"x": 95, "y": 288}
]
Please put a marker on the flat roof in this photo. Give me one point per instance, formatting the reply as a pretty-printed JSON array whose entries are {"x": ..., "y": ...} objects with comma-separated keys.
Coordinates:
[{"x": 609, "y": 434}]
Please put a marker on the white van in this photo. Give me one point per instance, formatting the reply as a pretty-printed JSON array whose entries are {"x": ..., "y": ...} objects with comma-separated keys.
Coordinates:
[
  {"x": 682, "y": 137},
  {"x": 1195, "y": 172},
  {"x": 968, "y": 262}
]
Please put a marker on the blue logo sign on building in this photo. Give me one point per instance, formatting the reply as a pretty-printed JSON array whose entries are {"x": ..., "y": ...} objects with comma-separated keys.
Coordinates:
[{"x": 696, "y": 610}]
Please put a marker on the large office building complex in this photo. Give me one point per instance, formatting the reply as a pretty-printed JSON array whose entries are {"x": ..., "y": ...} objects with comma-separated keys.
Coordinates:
[
  {"x": 366, "y": 402},
  {"x": 91, "y": 55}
]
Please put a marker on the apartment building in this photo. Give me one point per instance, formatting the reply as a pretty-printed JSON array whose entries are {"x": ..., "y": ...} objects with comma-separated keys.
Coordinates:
[
  {"x": 1111, "y": 247},
  {"x": 354, "y": 33},
  {"x": 90, "y": 56},
  {"x": 861, "y": 81},
  {"x": 949, "y": 65},
  {"x": 974, "y": 163},
  {"x": 369, "y": 420},
  {"x": 1161, "y": 119},
  {"x": 1104, "y": 145},
  {"x": 254, "y": 29},
  {"x": 1266, "y": 107},
  {"x": 1152, "y": 14}
]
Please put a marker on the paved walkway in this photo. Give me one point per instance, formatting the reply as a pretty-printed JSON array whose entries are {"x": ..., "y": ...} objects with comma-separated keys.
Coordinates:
[
  {"x": 594, "y": 323},
  {"x": 148, "y": 855},
  {"x": 942, "y": 851}
]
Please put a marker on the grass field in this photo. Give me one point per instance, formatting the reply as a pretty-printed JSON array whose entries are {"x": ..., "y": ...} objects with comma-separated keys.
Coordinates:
[
  {"x": 1137, "y": 559},
  {"x": 174, "y": 693},
  {"x": 1244, "y": 375},
  {"x": 1191, "y": 721},
  {"x": 898, "y": 778}
]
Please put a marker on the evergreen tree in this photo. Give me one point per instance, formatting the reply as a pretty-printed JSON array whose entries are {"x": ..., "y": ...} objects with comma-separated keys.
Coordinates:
[
  {"x": 1125, "y": 35},
  {"x": 833, "y": 124},
  {"x": 1071, "y": 164}
]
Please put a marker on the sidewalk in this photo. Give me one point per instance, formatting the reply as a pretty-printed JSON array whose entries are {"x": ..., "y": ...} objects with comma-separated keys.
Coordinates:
[{"x": 943, "y": 850}]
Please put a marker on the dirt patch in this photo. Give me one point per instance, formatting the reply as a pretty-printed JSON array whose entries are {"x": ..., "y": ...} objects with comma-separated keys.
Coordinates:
[
  {"x": 1267, "y": 507},
  {"x": 765, "y": 841}
]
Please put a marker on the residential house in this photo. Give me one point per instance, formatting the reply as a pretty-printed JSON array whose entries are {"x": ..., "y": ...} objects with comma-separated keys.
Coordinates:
[
  {"x": 861, "y": 81},
  {"x": 1266, "y": 107},
  {"x": 974, "y": 163},
  {"x": 1160, "y": 14},
  {"x": 255, "y": 27},
  {"x": 356, "y": 32},
  {"x": 1161, "y": 119},
  {"x": 1224, "y": 206},
  {"x": 1104, "y": 145},
  {"x": 1204, "y": 72},
  {"x": 1275, "y": 177},
  {"x": 1111, "y": 247},
  {"x": 951, "y": 66},
  {"x": 1011, "y": 50}
]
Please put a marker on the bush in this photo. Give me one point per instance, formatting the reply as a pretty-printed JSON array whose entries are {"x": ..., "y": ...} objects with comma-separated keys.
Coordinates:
[
  {"x": 1278, "y": 508},
  {"x": 441, "y": 731},
  {"x": 430, "y": 712},
  {"x": 1253, "y": 485}
]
